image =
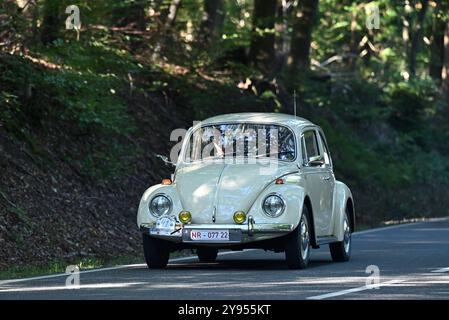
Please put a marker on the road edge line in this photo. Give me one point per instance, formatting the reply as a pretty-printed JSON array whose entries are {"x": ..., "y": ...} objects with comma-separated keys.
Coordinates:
[{"x": 58, "y": 275}]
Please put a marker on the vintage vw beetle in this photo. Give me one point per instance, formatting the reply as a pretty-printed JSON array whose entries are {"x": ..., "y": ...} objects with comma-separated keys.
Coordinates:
[{"x": 249, "y": 180}]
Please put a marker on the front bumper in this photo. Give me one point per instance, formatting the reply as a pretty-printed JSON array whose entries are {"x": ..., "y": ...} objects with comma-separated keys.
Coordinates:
[{"x": 238, "y": 234}]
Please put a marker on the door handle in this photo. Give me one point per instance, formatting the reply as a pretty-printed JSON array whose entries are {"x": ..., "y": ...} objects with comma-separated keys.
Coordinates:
[{"x": 326, "y": 178}]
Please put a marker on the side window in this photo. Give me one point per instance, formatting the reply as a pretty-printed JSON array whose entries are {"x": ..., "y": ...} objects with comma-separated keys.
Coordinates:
[
  {"x": 303, "y": 151},
  {"x": 326, "y": 154},
  {"x": 311, "y": 144}
]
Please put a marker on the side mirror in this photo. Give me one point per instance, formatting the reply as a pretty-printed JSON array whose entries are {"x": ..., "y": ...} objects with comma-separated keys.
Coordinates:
[
  {"x": 316, "y": 161},
  {"x": 165, "y": 160}
]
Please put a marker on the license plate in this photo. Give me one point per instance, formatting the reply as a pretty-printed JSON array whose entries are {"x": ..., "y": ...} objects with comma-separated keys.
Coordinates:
[{"x": 209, "y": 235}]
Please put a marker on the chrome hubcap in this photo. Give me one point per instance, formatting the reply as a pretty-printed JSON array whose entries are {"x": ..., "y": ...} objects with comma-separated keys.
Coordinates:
[
  {"x": 304, "y": 238},
  {"x": 347, "y": 235}
]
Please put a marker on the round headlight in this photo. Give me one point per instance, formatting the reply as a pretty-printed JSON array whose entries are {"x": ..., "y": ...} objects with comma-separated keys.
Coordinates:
[
  {"x": 273, "y": 206},
  {"x": 160, "y": 205}
]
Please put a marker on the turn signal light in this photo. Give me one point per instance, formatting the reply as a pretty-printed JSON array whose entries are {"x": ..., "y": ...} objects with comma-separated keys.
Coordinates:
[
  {"x": 166, "y": 182},
  {"x": 185, "y": 216},
  {"x": 279, "y": 181},
  {"x": 239, "y": 217}
]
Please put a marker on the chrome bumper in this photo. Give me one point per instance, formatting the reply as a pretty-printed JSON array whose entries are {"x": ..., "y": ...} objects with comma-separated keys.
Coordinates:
[{"x": 245, "y": 233}]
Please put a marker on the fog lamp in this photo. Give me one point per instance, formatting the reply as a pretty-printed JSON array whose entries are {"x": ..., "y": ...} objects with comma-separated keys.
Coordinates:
[
  {"x": 239, "y": 217},
  {"x": 185, "y": 216}
]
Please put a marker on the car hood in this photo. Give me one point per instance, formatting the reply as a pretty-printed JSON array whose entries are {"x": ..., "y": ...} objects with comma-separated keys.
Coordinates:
[{"x": 219, "y": 189}]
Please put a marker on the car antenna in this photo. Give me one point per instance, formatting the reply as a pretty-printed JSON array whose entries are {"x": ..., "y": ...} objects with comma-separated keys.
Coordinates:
[{"x": 294, "y": 101}]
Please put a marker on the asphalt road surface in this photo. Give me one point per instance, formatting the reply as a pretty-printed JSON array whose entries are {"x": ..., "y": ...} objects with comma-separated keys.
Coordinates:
[{"x": 413, "y": 263}]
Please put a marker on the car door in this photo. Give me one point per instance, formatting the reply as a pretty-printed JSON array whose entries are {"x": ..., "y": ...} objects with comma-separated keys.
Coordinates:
[
  {"x": 328, "y": 179},
  {"x": 316, "y": 186}
]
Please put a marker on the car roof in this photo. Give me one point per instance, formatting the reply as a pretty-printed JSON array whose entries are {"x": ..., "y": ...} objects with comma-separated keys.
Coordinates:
[{"x": 258, "y": 117}]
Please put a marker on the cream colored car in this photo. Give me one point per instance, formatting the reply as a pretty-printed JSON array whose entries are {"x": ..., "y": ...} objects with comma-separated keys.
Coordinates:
[{"x": 249, "y": 180}]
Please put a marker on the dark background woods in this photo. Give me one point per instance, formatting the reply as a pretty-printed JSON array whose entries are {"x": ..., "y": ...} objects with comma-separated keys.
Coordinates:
[{"x": 84, "y": 114}]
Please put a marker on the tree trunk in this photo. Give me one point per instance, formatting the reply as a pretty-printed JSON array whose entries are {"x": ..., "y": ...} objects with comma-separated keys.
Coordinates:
[
  {"x": 34, "y": 21},
  {"x": 445, "y": 69},
  {"x": 284, "y": 12},
  {"x": 212, "y": 25},
  {"x": 283, "y": 41},
  {"x": 172, "y": 13},
  {"x": 262, "y": 53},
  {"x": 52, "y": 21},
  {"x": 133, "y": 15},
  {"x": 437, "y": 50},
  {"x": 437, "y": 43},
  {"x": 354, "y": 43},
  {"x": 303, "y": 22},
  {"x": 417, "y": 37},
  {"x": 406, "y": 27}
]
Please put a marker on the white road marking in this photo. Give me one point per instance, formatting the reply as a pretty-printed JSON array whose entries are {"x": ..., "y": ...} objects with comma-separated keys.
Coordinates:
[
  {"x": 353, "y": 290},
  {"x": 369, "y": 287},
  {"x": 386, "y": 228},
  {"x": 83, "y": 286},
  {"x": 106, "y": 269},
  {"x": 400, "y": 225},
  {"x": 442, "y": 270},
  {"x": 66, "y": 275}
]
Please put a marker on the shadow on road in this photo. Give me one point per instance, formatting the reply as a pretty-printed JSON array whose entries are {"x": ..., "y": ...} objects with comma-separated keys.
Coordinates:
[{"x": 249, "y": 264}]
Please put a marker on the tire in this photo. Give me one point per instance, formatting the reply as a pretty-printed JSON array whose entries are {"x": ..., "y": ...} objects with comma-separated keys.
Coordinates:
[
  {"x": 156, "y": 252},
  {"x": 207, "y": 254},
  {"x": 341, "y": 251},
  {"x": 297, "y": 246}
]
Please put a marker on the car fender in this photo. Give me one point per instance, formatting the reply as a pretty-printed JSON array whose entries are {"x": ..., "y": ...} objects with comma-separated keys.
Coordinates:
[
  {"x": 293, "y": 196},
  {"x": 143, "y": 214},
  {"x": 341, "y": 196}
]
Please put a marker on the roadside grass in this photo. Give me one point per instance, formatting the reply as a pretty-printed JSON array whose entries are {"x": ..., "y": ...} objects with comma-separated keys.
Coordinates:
[
  {"x": 363, "y": 227},
  {"x": 56, "y": 267}
]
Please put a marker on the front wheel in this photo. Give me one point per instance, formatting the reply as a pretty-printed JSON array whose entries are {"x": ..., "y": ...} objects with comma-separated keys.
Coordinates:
[
  {"x": 156, "y": 252},
  {"x": 297, "y": 246},
  {"x": 341, "y": 250}
]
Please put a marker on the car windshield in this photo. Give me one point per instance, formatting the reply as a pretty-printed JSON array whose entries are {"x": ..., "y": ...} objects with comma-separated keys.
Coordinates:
[{"x": 241, "y": 140}]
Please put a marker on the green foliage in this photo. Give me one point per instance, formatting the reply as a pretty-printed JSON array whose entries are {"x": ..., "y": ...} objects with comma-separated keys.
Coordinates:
[
  {"x": 411, "y": 103},
  {"x": 354, "y": 159},
  {"x": 86, "y": 100},
  {"x": 83, "y": 93}
]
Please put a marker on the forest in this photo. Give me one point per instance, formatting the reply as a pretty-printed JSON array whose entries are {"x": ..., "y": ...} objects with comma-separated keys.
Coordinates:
[{"x": 90, "y": 92}]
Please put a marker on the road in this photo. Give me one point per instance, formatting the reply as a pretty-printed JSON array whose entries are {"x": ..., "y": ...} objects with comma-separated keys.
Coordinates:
[{"x": 413, "y": 262}]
